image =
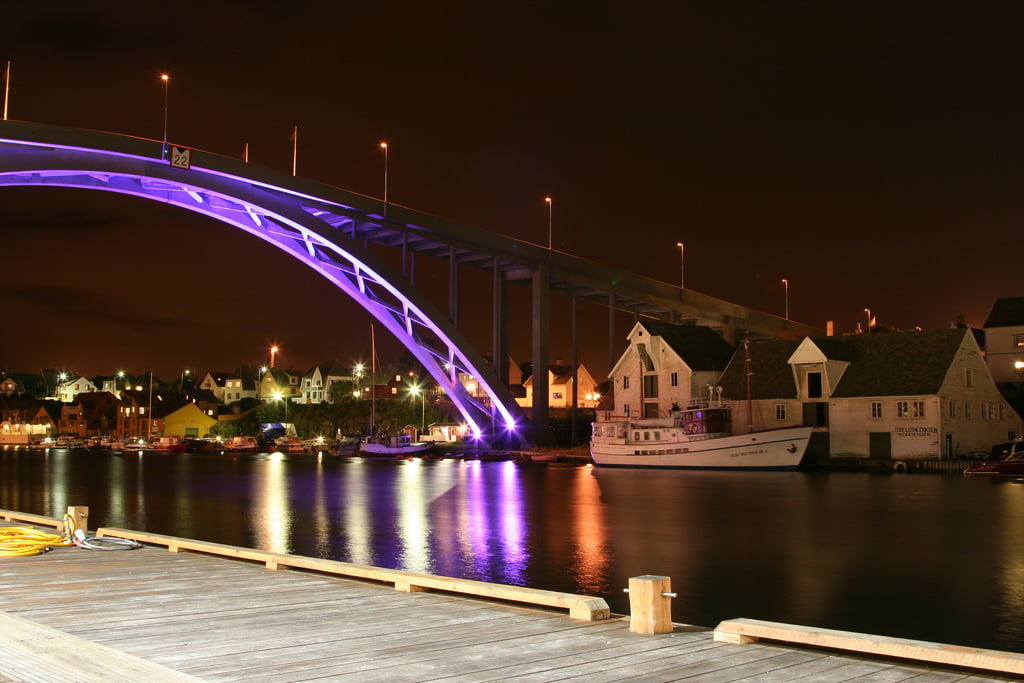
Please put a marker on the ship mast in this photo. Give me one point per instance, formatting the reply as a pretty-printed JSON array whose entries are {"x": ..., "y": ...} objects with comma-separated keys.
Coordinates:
[{"x": 750, "y": 398}]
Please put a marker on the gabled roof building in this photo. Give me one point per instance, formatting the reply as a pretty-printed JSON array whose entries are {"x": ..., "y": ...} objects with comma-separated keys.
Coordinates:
[{"x": 898, "y": 395}]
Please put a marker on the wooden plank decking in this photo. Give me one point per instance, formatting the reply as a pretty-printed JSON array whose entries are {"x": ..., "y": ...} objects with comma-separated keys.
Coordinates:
[{"x": 220, "y": 619}]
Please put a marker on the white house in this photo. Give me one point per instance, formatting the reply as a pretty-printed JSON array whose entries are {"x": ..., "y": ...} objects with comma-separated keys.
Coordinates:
[
  {"x": 316, "y": 383},
  {"x": 1004, "y": 340},
  {"x": 667, "y": 365},
  {"x": 68, "y": 389},
  {"x": 560, "y": 387},
  {"x": 899, "y": 395}
]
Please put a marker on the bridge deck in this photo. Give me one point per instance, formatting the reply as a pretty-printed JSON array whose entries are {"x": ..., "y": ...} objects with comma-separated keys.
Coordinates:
[{"x": 155, "y": 615}]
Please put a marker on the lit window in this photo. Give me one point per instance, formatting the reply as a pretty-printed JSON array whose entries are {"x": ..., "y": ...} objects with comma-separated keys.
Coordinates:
[
  {"x": 1018, "y": 340},
  {"x": 902, "y": 408},
  {"x": 1019, "y": 367},
  {"x": 918, "y": 408}
]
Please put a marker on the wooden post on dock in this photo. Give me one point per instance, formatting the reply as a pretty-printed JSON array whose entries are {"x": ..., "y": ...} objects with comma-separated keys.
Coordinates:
[
  {"x": 650, "y": 604},
  {"x": 80, "y": 515}
]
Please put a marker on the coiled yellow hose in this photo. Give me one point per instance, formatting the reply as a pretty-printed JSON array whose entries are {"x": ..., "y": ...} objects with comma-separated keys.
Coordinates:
[{"x": 22, "y": 541}]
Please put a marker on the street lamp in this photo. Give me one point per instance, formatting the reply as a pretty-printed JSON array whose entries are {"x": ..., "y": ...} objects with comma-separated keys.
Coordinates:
[
  {"x": 273, "y": 356},
  {"x": 415, "y": 390},
  {"x": 868, "y": 311},
  {"x": 277, "y": 397},
  {"x": 165, "y": 78},
  {"x": 184, "y": 374},
  {"x": 785, "y": 283},
  {"x": 384, "y": 146},
  {"x": 548, "y": 200},
  {"x": 682, "y": 265}
]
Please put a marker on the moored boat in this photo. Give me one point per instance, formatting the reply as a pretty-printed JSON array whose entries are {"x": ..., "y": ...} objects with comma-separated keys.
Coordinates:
[
  {"x": 398, "y": 446},
  {"x": 1007, "y": 459},
  {"x": 241, "y": 444},
  {"x": 696, "y": 438}
]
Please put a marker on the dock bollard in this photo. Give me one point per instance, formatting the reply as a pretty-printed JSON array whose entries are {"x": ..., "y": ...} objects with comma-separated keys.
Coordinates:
[
  {"x": 80, "y": 515},
  {"x": 650, "y": 604}
]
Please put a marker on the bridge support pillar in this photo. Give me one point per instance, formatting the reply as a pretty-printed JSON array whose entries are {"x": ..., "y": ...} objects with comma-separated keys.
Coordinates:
[
  {"x": 541, "y": 340},
  {"x": 499, "y": 322}
]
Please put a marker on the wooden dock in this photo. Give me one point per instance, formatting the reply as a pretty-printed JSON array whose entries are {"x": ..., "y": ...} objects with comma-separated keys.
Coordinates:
[{"x": 153, "y": 615}]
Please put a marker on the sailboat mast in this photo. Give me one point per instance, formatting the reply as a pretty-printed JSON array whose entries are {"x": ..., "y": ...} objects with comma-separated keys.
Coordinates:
[{"x": 373, "y": 383}]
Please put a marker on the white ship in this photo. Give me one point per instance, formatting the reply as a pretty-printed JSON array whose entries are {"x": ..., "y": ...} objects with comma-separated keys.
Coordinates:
[{"x": 696, "y": 438}]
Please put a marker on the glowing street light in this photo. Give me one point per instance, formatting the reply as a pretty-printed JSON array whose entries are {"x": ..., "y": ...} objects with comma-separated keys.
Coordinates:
[
  {"x": 273, "y": 356},
  {"x": 384, "y": 146},
  {"x": 868, "y": 311},
  {"x": 166, "y": 79},
  {"x": 682, "y": 265},
  {"x": 548, "y": 200},
  {"x": 184, "y": 374},
  {"x": 785, "y": 284},
  {"x": 278, "y": 396}
]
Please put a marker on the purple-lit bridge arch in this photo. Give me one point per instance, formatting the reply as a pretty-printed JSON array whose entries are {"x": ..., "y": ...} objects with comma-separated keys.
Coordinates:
[
  {"x": 317, "y": 225},
  {"x": 331, "y": 231}
]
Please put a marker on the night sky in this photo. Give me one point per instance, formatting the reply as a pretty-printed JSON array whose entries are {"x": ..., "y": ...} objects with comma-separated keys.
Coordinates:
[{"x": 870, "y": 153}]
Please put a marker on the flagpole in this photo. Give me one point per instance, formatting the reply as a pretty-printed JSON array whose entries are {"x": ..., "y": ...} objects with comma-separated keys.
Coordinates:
[
  {"x": 295, "y": 150},
  {"x": 7, "y": 86}
]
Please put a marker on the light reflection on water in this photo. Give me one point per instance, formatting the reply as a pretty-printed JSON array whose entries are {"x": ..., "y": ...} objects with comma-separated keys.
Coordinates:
[{"x": 931, "y": 557}]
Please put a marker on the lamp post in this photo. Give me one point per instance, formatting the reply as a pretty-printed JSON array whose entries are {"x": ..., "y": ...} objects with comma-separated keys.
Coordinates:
[
  {"x": 384, "y": 146},
  {"x": 682, "y": 265},
  {"x": 273, "y": 356},
  {"x": 415, "y": 390},
  {"x": 548, "y": 200},
  {"x": 165, "y": 78},
  {"x": 785, "y": 283},
  {"x": 184, "y": 374}
]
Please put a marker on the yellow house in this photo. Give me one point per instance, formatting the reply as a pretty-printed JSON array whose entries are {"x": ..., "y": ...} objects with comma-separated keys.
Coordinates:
[{"x": 188, "y": 422}]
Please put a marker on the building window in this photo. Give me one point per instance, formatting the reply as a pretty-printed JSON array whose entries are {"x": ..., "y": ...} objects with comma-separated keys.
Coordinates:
[
  {"x": 780, "y": 411},
  {"x": 876, "y": 409},
  {"x": 814, "y": 385},
  {"x": 556, "y": 395},
  {"x": 952, "y": 408},
  {"x": 1018, "y": 367},
  {"x": 625, "y": 384},
  {"x": 902, "y": 408},
  {"x": 969, "y": 377},
  {"x": 918, "y": 407},
  {"x": 967, "y": 410},
  {"x": 675, "y": 379},
  {"x": 1018, "y": 340},
  {"x": 625, "y": 410},
  {"x": 1002, "y": 411}
]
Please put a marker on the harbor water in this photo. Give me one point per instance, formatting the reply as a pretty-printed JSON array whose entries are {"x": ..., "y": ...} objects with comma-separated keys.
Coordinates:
[{"x": 926, "y": 556}]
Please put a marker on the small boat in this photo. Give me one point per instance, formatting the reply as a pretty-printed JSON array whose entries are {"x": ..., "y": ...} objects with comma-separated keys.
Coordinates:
[
  {"x": 398, "y": 446},
  {"x": 290, "y": 444},
  {"x": 241, "y": 444},
  {"x": 1006, "y": 459},
  {"x": 696, "y": 438}
]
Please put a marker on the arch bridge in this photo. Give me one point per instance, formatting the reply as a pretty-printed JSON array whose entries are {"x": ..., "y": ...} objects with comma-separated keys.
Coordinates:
[{"x": 332, "y": 231}]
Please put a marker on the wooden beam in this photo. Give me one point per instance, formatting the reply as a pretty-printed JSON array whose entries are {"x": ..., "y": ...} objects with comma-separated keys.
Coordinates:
[
  {"x": 580, "y": 606},
  {"x": 744, "y": 631}
]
